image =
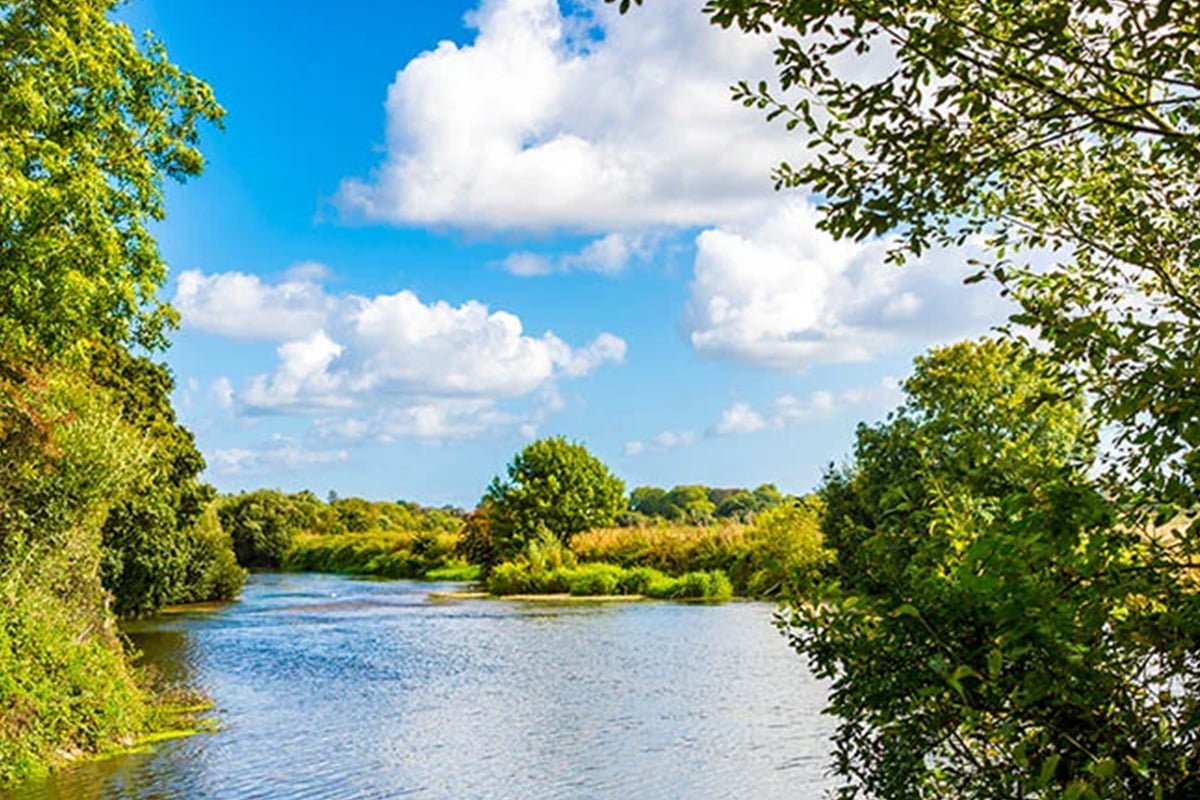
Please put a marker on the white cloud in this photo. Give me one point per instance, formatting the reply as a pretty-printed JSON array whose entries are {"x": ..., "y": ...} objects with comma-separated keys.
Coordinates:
[
  {"x": 222, "y": 392},
  {"x": 666, "y": 440},
  {"x": 242, "y": 306},
  {"x": 619, "y": 126},
  {"x": 430, "y": 419},
  {"x": 739, "y": 418},
  {"x": 609, "y": 255},
  {"x": 277, "y": 456},
  {"x": 527, "y": 265},
  {"x": 782, "y": 294},
  {"x": 787, "y": 410},
  {"x": 542, "y": 123},
  {"x": 429, "y": 370},
  {"x": 302, "y": 379},
  {"x": 633, "y": 448}
]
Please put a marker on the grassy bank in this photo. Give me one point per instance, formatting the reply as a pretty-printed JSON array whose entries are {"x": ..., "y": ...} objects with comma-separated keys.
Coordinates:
[
  {"x": 593, "y": 580},
  {"x": 779, "y": 551},
  {"x": 387, "y": 554}
]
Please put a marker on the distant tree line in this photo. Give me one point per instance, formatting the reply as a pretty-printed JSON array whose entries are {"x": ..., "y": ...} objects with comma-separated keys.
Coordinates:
[{"x": 698, "y": 505}]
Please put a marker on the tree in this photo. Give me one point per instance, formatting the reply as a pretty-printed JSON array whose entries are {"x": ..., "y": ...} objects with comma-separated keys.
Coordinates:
[
  {"x": 90, "y": 124},
  {"x": 690, "y": 504},
  {"x": 649, "y": 500},
  {"x": 262, "y": 525},
  {"x": 156, "y": 551},
  {"x": 991, "y": 634},
  {"x": 553, "y": 486}
]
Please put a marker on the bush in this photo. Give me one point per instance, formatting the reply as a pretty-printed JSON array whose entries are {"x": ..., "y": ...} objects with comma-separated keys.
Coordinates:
[
  {"x": 65, "y": 686},
  {"x": 590, "y": 580},
  {"x": 784, "y": 550},
  {"x": 596, "y": 580},
  {"x": 212, "y": 571}
]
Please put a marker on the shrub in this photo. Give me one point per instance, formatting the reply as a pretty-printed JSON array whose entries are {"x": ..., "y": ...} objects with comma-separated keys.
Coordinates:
[{"x": 591, "y": 580}]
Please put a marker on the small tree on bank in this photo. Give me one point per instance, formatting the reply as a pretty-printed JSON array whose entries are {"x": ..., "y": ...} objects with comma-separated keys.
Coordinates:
[{"x": 553, "y": 486}]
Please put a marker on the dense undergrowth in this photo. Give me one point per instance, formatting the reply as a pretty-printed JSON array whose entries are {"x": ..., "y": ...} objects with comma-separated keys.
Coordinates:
[{"x": 65, "y": 685}]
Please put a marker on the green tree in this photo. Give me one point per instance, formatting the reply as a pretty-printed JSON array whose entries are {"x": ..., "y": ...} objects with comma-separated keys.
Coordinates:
[
  {"x": 650, "y": 500},
  {"x": 690, "y": 504},
  {"x": 553, "y": 486},
  {"x": 90, "y": 124},
  {"x": 262, "y": 525},
  {"x": 991, "y": 634},
  {"x": 154, "y": 544},
  {"x": 785, "y": 550}
]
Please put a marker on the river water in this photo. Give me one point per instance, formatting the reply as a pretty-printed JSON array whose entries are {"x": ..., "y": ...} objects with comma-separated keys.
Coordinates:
[{"x": 328, "y": 687}]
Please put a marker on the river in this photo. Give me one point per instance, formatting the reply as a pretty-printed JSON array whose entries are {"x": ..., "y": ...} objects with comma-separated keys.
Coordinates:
[{"x": 328, "y": 688}]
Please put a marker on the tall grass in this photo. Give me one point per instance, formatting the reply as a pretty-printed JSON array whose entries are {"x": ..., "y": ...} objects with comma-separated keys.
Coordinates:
[
  {"x": 670, "y": 548},
  {"x": 779, "y": 554}
]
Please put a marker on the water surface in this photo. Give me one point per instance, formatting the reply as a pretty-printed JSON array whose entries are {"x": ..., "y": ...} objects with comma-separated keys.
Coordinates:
[{"x": 330, "y": 688}]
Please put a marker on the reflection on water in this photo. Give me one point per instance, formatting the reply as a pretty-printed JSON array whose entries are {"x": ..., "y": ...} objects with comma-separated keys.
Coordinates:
[{"x": 334, "y": 688}]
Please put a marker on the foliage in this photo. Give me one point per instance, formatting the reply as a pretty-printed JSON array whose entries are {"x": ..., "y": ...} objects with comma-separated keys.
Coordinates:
[
  {"x": 695, "y": 504},
  {"x": 90, "y": 123},
  {"x": 391, "y": 554},
  {"x": 211, "y": 570},
  {"x": 552, "y": 485},
  {"x": 65, "y": 686},
  {"x": 154, "y": 550},
  {"x": 475, "y": 543},
  {"x": 262, "y": 525},
  {"x": 673, "y": 549},
  {"x": 993, "y": 635},
  {"x": 784, "y": 550},
  {"x": 524, "y": 576}
]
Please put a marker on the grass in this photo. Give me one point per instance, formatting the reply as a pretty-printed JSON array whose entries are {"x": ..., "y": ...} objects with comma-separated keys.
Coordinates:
[
  {"x": 669, "y": 548},
  {"x": 601, "y": 580}
]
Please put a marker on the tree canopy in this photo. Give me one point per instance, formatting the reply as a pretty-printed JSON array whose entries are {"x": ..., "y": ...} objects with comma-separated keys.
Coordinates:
[
  {"x": 553, "y": 486},
  {"x": 992, "y": 632},
  {"x": 91, "y": 122}
]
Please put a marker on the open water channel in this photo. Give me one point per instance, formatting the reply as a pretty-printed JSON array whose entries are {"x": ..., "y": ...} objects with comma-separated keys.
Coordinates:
[{"x": 330, "y": 688}]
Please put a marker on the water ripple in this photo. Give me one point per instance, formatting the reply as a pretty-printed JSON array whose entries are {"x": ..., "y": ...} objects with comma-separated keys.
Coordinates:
[{"x": 338, "y": 689}]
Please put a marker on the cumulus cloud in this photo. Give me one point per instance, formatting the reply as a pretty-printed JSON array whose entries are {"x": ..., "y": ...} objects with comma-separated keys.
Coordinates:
[
  {"x": 739, "y": 418},
  {"x": 280, "y": 455},
  {"x": 608, "y": 255},
  {"x": 666, "y": 440},
  {"x": 585, "y": 121},
  {"x": 431, "y": 370},
  {"x": 782, "y": 294},
  {"x": 243, "y": 306},
  {"x": 788, "y": 410}
]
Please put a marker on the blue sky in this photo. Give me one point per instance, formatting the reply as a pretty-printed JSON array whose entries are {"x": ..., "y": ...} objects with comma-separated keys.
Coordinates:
[{"x": 432, "y": 231}]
